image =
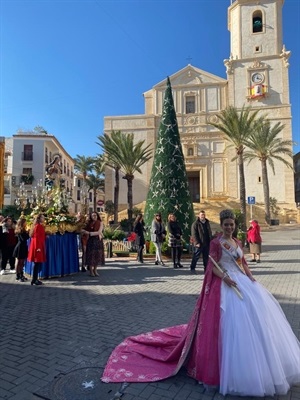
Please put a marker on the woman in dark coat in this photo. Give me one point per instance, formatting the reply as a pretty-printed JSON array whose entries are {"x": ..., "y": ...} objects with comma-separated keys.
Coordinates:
[
  {"x": 21, "y": 249},
  {"x": 8, "y": 244},
  {"x": 158, "y": 234},
  {"x": 139, "y": 229},
  {"x": 37, "y": 247}
]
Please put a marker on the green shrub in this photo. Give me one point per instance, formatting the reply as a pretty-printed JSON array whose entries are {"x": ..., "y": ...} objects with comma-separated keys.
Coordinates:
[
  {"x": 241, "y": 235},
  {"x": 238, "y": 217},
  {"x": 108, "y": 233},
  {"x": 151, "y": 248},
  {"x": 118, "y": 235},
  {"x": 125, "y": 224},
  {"x": 113, "y": 234},
  {"x": 165, "y": 249},
  {"x": 136, "y": 211}
]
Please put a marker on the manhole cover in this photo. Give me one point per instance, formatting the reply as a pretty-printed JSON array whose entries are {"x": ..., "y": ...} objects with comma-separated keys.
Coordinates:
[{"x": 82, "y": 384}]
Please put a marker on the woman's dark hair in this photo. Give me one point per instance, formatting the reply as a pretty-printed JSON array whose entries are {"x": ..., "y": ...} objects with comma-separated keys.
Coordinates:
[
  {"x": 98, "y": 216},
  {"x": 139, "y": 217},
  {"x": 20, "y": 227}
]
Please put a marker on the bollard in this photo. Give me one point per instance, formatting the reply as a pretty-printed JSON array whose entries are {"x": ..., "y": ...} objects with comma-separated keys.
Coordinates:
[{"x": 109, "y": 250}]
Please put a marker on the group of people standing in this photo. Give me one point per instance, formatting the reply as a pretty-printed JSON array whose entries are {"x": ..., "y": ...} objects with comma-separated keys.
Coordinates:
[
  {"x": 158, "y": 236},
  {"x": 14, "y": 237},
  {"x": 15, "y": 250},
  {"x": 201, "y": 235}
]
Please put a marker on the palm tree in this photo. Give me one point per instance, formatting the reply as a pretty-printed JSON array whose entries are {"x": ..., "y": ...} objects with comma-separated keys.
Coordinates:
[
  {"x": 130, "y": 157},
  {"x": 96, "y": 181},
  {"x": 99, "y": 165},
  {"x": 265, "y": 145},
  {"x": 237, "y": 126},
  {"x": 110, "y": 145},
  {"x": 83, "y": 165}
]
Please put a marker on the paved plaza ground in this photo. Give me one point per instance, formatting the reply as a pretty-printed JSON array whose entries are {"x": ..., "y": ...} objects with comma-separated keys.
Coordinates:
[{"x": 56, "y": 338}]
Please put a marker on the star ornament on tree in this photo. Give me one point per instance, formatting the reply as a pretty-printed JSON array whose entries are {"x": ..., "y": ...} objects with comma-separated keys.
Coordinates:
[
  {"x": 159, "y": 168},
  {"x": 160, "y": 150}
]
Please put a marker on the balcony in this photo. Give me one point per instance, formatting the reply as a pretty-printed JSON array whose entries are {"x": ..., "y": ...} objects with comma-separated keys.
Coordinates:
[{"x": 27, "y": 179}]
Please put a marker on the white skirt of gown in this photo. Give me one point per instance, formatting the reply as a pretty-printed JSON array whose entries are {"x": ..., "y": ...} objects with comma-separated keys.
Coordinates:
[{"x": 259, "y": 353}]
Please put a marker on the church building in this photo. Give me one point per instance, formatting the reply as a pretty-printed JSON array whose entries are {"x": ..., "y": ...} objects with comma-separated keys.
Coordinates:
[{"x": 257, "y": 76}]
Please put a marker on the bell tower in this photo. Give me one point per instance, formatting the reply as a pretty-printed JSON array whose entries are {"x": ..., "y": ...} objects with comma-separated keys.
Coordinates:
[
  {"x": 258, "y": 59},
  {"x": 257, "y": 74},
  {"x": 256, "y": 28}
]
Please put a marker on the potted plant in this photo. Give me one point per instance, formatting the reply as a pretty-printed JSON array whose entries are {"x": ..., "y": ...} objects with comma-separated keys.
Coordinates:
[{"x": 241, "y": 235}]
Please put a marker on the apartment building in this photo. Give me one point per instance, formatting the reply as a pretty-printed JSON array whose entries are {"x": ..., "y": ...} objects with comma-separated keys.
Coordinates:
[{"x": 27, "y": 155}]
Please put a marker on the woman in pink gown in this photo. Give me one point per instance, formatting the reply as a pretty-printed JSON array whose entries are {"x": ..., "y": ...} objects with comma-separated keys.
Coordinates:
[{"x": 238, "y": 338}]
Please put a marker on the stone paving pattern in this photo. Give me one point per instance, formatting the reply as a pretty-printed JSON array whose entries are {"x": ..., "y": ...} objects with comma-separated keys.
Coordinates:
[{"x": 56, "y": 338}]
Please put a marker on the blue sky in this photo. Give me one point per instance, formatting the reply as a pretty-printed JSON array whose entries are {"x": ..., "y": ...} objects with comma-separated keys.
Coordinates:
[{"x": 66, "y": 64}]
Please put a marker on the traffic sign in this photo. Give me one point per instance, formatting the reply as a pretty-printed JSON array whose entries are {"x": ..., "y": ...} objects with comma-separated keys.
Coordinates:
[
  {"x": 251, "y": 200},
  {"x": 100, "y": 203}
]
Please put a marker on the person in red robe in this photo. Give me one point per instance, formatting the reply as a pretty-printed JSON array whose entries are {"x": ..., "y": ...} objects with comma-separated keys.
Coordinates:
[
  {"x": 37, "y": 247},
  {"x": 254, "y": 239}
]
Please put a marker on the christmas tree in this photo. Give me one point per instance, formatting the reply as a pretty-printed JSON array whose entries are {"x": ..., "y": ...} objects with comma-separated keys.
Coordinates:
[{"x": 169, "y": 188}]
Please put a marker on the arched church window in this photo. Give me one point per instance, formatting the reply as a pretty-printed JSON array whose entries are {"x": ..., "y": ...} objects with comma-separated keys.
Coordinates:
[
  {"x": 190, "y": 151},
  {"x": 257, "y": 22}
]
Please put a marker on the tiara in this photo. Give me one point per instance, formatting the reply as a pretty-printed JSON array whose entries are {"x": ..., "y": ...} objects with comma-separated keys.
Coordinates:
[{"x": 224, "y": 214}]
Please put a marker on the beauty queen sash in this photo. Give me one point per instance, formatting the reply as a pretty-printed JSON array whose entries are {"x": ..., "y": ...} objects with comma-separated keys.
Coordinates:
[{"x": 229, "y": 249}]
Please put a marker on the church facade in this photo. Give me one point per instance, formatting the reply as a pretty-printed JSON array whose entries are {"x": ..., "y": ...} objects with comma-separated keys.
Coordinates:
[{"x": 257, "y": 76}]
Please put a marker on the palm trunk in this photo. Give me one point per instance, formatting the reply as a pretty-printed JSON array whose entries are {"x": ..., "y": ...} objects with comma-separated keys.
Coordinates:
[
  {"x": 116, "y": 194},
  {"x": 242, "y": 190},
  {"x": 95, "y": 199},
  {"x": 266, "y": 190},
  {"x": 85, "y": 204},
  {"x": 129, "y": 199}
]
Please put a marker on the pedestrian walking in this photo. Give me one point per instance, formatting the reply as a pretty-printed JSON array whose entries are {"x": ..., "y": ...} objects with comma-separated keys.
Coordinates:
[
  {"x": 139, "y": 229},
  {"x": 201, "y": 236},
  {"x": 254, "y": 239},
  {"x": 82, "y": 238},
  {"x": 21, "y": 249},
  {"x": 158, "y": 235},
  {"x": 37, "y": 247},
  {"x": 9, "y": 241},
  {"x": 175, "y": 240}
]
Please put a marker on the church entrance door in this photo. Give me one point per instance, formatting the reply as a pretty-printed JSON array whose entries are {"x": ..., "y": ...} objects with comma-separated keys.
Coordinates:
[{"x": 194, "y": 185}]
